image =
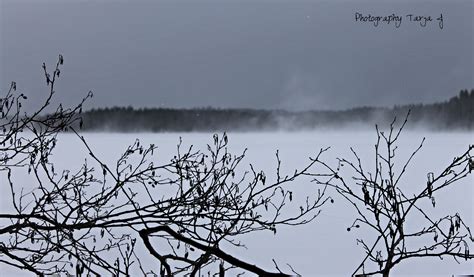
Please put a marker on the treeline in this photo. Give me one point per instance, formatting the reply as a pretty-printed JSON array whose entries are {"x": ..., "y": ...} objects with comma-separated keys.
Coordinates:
[{"x": 455, "y": 114}]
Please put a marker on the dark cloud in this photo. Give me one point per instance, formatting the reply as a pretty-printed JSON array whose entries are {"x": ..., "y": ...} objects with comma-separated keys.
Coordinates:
[{"x": 257, "y": 54}]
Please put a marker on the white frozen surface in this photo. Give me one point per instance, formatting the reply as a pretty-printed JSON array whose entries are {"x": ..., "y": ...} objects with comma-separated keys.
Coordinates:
[{"x": 323, "y": 247}]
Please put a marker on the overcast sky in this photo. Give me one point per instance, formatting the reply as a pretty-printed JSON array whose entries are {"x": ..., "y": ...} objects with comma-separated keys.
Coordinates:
[{"x": 252, "y": 54}]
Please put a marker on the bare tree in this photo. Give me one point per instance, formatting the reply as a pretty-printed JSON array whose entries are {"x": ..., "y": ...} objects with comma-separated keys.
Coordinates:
[
  {"x": 384, "y": 206},
  {"x": 96, "y": 219}
]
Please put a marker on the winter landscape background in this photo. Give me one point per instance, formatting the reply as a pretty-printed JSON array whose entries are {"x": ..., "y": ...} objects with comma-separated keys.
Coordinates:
[{"x": 293, "y": 76}]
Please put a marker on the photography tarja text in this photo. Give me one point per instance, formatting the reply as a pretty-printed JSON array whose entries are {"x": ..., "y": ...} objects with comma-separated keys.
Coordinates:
[{"x": 396, "y": 20}]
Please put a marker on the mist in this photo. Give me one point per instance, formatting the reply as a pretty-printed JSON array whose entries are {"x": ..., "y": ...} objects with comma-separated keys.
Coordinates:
[{"x": 455, "y": 114}]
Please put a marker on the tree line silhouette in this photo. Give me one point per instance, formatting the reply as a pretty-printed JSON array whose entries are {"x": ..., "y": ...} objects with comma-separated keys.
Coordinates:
[{"x": 456, "y": 113}]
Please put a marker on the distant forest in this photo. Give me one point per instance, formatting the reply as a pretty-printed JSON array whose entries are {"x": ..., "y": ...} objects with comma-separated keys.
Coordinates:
[{"x": 455, "y": 114}]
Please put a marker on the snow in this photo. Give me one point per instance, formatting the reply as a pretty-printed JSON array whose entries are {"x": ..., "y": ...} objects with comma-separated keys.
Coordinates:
[{"x": 323, "y": 247}]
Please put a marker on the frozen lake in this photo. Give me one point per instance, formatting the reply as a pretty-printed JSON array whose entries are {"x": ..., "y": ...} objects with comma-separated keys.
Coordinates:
[{"x": 323, "y": 247}]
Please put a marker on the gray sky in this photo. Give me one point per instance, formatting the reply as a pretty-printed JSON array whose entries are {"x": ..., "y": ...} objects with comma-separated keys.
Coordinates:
[{"x": 253, "y": 54}]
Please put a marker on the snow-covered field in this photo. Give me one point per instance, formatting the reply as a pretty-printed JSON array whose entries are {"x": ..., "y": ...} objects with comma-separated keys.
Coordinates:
[{"x": 323, "y": 247}]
